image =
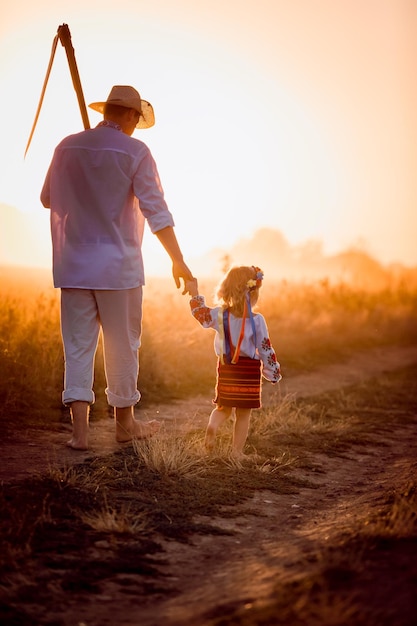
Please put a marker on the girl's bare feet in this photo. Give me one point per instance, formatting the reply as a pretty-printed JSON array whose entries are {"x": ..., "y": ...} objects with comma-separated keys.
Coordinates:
[
  {"x": 210, "y": 438},
  {"x": 217, "y": 417}
]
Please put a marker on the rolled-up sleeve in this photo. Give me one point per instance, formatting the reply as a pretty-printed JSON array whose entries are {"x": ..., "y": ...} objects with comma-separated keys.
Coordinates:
[{"x": 147, "y": 188}]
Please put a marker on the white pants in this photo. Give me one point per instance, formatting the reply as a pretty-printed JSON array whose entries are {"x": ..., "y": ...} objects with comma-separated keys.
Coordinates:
[{"x": 119, "y": 315}]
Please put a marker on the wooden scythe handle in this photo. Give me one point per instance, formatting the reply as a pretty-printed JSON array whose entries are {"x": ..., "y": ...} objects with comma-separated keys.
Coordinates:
[
  {"x": 64, "y": 35},
  {"x": 65, "y": 38}
]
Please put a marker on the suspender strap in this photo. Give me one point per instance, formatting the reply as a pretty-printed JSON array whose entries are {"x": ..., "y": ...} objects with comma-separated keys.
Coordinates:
[
  {"x": 226, "y": 344},
  {"x": 221, "y": 334},
  {"x": 227, "y": 336},
  {"x": 241, "y": 335}
]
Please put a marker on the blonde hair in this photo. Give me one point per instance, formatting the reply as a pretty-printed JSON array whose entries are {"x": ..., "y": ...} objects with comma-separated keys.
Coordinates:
[{"x": 232, "y": 290}]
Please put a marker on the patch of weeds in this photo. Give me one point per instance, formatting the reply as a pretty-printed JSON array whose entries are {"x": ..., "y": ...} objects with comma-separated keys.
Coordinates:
[{"x": 172, "y": 456}]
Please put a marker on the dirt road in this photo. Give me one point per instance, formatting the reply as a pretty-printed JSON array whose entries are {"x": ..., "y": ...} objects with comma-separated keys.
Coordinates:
[
  {"x": 277, "y": 544},
  {"x": 32, "y": 451}
]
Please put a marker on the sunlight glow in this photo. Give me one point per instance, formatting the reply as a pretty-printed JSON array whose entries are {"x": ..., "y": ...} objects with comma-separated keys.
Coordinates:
[{"x": 252, "y": 130}]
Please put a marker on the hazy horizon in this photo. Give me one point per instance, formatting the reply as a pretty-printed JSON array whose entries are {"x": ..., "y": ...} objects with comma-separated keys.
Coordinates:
[
  {"x": 295, "y": 116},
  {"x": 265, "y": 247}
]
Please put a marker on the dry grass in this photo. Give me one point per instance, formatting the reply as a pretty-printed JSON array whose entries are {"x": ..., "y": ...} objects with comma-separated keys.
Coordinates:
[
  {"x": 51, "y": 525},
  {"x": 79, "y": 528},
  {"x": 287, "y": 416},
  {"x": 114, "y": 519},
  {"x": 310, "y": 325},
  {"x": 31, "y": 360},
  {"x": 169, "y": 455},
  {"x": 400, "y": 519}
]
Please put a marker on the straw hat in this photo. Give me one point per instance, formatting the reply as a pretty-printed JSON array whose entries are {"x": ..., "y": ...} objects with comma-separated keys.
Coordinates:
[{"x": 126, "y": 96}]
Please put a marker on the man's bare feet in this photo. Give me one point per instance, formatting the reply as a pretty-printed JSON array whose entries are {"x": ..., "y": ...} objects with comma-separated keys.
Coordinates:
[
  {"x": 239, "y": 455},
  {"x": 79, "y": 416},
  {"x": 136, "y": 430},
  {"x": 77, "y": 444}
]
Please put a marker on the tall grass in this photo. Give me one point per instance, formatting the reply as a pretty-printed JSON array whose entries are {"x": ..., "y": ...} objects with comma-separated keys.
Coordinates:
[
  {"x": 171, "y": 456},
  {"x": 321, "y": 322},
  {"x": 309, "y": 324},
  {"x": 31, "y": 356}
]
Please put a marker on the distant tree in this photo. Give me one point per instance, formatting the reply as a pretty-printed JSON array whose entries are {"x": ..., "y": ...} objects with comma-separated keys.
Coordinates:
[{"x": 226, "y": 262}]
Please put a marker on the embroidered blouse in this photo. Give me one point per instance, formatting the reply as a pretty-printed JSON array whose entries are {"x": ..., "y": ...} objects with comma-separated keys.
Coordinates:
[{"x": 261, "y": 350}]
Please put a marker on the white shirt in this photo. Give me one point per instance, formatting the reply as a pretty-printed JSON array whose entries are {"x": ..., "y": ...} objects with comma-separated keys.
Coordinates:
[{"x": 100, "y": 186}]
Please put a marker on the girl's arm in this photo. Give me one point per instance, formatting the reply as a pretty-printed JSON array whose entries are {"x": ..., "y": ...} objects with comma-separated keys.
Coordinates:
[
  {"x": 271, "y": 369},
  {"x": 199, "y": 310}
]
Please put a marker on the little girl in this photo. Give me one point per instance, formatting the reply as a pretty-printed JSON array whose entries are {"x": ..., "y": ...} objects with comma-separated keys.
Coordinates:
[{"x": 243, "y": 347}]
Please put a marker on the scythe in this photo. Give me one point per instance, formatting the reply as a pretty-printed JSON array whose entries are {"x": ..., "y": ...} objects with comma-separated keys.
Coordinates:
[{"x": 64, "y": 36}]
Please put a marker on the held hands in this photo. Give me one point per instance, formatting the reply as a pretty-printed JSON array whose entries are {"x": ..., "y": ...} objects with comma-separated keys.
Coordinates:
[
  {"x": 180, "y": 270},
  {"x": 191, "y": 287}
]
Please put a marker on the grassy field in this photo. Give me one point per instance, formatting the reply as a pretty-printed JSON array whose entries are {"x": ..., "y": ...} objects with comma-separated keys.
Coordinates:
[
  {"x": 87, "y": 543},
  {"x": 90, "y": 543},
  {"x": 310, "y": 325}
]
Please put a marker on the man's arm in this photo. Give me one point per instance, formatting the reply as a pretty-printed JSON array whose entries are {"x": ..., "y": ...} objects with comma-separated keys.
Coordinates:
[
  {"x": 169, "y": 241},
  {"x": 45, "y": 194}
]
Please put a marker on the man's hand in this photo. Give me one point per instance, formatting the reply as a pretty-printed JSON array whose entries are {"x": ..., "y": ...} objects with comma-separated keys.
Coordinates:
[
  {"x": 192, "y": 287},
  {"x": 180, "y": 270}
]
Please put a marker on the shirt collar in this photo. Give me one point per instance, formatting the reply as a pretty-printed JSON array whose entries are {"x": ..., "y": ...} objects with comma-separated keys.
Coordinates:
[{"x": 110, "y": 124}]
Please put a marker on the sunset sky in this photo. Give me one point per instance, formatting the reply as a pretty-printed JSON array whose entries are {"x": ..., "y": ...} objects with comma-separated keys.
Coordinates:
[{"x": 298, "y": 115}]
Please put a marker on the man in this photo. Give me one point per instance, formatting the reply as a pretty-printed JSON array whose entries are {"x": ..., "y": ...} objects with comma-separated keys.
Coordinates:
[{"x": 101, "y": 186}]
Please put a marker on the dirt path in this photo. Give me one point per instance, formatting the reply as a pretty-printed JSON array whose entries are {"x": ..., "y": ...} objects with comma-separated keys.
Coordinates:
[
  {"x": 31, "y": 452},
  {"x": 275, "y": 540},
  {"x": 281, "y": 536}
]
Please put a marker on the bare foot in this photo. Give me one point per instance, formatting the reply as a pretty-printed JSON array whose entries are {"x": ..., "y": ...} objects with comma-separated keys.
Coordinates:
[
  {"x": 79, "y": 417},
  {"x": 136, "y": 430},
  {"x": 77, "y": 444},
  {"x": 210, "y": 438},
  {"x": 241, "y": 456}
]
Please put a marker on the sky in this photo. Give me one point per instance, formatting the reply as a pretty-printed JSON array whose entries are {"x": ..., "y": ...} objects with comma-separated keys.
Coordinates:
[{"x": 293, "y": 115}]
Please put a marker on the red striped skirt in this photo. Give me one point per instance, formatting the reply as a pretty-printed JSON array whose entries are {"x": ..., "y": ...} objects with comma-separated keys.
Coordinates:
[{"x": 239, "y": 385}]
